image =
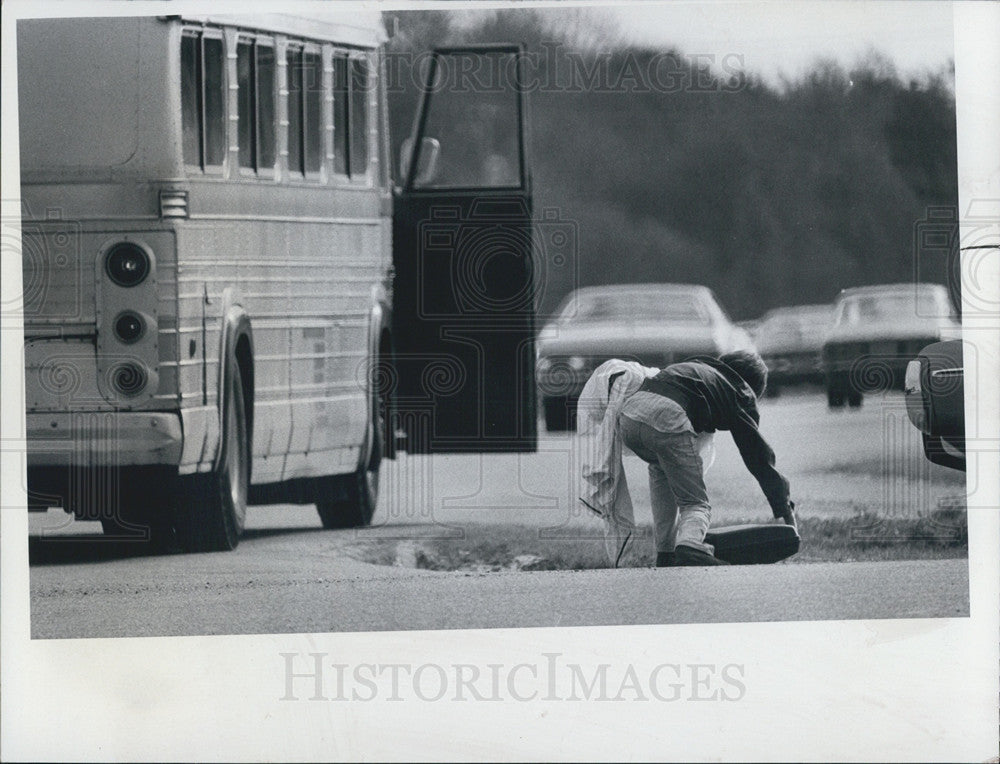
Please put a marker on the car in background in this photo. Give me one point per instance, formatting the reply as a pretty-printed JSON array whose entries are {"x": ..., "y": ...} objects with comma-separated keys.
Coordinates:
[
  {"x": 653, "y": 324},
  {"x": 935, "y": 402},
  {"x": 790, "y": 340},
  {"x": 876, "y": 331},
  {"x": 935, "y": 383}
]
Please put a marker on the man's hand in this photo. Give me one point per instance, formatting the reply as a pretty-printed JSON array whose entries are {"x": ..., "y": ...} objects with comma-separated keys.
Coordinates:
[{"x": 788, "y": 515}]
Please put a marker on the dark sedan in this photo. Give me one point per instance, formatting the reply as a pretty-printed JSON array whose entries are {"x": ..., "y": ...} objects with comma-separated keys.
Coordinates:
[
  {"x": 935, "y": 401},
  {"x": 654, "y": 324}
]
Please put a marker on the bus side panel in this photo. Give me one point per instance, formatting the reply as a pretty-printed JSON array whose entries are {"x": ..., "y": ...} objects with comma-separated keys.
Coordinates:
[
  {"x": 221, "y": 255},
  {"x": 335, "y": 267}
]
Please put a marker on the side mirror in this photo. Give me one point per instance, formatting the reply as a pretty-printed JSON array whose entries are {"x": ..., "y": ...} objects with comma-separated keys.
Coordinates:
[{"x": 430, "y": 148}]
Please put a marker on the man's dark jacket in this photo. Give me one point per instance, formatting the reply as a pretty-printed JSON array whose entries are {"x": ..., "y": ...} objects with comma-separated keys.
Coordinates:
[{"x": 716, "y": 397}]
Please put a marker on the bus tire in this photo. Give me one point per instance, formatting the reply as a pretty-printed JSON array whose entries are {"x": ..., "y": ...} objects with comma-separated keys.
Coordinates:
[
  {"x": 212, "y": 507},
  {"x": 556, "y": 413},
  {"x": 348, "y": 501},
  {"x": 142, "y": 516}
]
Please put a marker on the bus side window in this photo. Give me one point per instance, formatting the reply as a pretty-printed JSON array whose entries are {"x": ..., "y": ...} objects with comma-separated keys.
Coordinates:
[
  {"x": 255, "y": 78},
  {"x": 340, "y": 96},
  {"x": 359, "y": 117},
  {"x": 312, "y": 82},
  {"x": 203, "y": 100},
  {"x": 294, "y": 70},
  {"x": 305, "y": 96}
]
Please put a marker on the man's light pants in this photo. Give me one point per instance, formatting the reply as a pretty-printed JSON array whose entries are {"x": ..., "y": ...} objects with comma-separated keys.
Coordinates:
[{"x": 681, "y": 511}]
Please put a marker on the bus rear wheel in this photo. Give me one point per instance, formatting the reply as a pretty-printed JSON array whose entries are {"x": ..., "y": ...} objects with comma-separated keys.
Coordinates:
[
  {"x": 141, "y": 515},
  {"x": 348, "y": 501},
  {"x": 212, "y": 508}
]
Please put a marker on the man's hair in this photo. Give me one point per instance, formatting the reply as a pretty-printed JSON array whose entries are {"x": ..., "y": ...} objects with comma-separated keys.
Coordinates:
[{"x": 749, "y": 365}]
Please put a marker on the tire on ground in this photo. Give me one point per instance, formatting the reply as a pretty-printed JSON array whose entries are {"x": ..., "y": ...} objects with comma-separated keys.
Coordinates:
[
  {"x": 348, "y": 501},
  {"x": 211, "y": 507}
]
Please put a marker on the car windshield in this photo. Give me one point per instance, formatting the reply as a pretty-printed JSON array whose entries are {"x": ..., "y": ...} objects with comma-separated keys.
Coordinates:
[
  {"x": 668, "y": 307},
  {"x": 799, "y": 322},
  {"x": 860, "y": 309}
]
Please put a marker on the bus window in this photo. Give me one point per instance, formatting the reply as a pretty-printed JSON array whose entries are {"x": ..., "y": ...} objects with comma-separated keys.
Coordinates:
[
  {"x": 246, "y": 119},
  {"x": 312, "y": 82},
  {"x": 340, "y": 115},
  {"x": 359, "y": 117},
  {"x": 190, "y": 100},
  {"x": 305, "y": 96},
  {"x": 255, "y": 104},
  {"x": 294, "y": 70},
  {"x": 477, "y": 130},
  {"x": 265, "y": 107},
  {"x": 202, "y": 100}
]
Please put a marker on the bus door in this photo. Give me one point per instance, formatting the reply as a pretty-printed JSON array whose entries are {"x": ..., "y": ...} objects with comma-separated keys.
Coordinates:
[{"x": 464, "y": 288}]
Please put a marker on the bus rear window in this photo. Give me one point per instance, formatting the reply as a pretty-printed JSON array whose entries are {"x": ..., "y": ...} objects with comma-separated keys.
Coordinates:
[{"x": 203, "y": 114}]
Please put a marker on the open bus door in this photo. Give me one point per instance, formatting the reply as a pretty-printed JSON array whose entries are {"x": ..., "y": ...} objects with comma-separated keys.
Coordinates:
[{"x": 464, "y": 289}]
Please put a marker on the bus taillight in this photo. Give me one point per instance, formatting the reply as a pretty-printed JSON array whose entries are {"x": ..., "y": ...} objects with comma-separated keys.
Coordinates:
[{"x": 126, "y": 264}]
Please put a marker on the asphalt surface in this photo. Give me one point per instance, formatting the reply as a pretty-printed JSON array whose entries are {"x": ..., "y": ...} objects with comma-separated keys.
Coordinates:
[
  {"x": 268, "y": 588},
  {"x": 290, "y": 575}
]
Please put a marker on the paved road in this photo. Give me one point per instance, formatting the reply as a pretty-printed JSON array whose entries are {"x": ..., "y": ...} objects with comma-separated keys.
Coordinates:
[
  {"x": 304, "y": 581},
  {"x": 288, "y": 575}
]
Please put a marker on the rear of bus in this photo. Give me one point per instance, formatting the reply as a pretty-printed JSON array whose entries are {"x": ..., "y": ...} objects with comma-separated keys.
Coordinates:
[
  {"x": 153, "y": 236},
  {"x": 99, "y": 290}
]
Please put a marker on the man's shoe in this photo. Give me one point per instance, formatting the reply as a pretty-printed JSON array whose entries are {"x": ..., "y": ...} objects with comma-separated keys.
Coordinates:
[
  {"x": 689, "y": 556},
  {"x": 665, "y": 559}
]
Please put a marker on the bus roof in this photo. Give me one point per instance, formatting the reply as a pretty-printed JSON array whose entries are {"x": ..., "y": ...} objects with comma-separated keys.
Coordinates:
[{"x": 358, "y": 28}]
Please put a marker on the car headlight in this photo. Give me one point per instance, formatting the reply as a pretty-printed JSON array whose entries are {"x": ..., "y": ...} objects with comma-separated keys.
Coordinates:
[
  {"x": 544, "y": 364},
  {"x": 577, "y": 363}
]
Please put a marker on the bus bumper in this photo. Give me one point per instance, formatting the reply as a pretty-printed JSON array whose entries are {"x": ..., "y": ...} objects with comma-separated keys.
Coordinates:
[{"x": 103, "y": 438}]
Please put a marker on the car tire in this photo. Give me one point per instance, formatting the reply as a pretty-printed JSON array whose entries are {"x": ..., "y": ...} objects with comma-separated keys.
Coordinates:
[
  {"x": 773, "y": 390},
  {"x": 855, "y": 398},
  {"x": 349, "y": 501},
  {"x": 559, "y": 414},
  {"x": 834, "y": 393},
  {"x": 212, "y": 507}
]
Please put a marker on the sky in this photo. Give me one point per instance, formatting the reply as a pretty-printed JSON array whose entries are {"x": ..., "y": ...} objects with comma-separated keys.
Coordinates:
[
  {"x": 776, "y": 38},
  {"x": 783, "y": 38}
]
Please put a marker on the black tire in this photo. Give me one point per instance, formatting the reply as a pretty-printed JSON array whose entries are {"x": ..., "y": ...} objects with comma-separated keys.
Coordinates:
[
  {"x": 854, "y": 398},
  {"x": 773, "y": 390},
  {"x": 557, "y": 410},
  {"x": 349, "y": 501},
  {"x": 212, "y": 508},
  {"x": 143, "y": 515},
  {"x": 834, "y": 394}
]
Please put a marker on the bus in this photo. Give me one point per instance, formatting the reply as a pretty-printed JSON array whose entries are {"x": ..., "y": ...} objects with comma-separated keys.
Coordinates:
[{"x": 230, "y": 294}]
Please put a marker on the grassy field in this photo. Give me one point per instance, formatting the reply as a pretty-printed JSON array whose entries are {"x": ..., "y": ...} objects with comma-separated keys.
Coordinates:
[{"x": 942, "y": 534}]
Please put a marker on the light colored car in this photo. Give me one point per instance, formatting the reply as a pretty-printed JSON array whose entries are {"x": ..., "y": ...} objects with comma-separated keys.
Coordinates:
[
  {"x": 654, "y": 324},
  {"x": 790, "y": 340},
  {"x": 875, "y": 333}
]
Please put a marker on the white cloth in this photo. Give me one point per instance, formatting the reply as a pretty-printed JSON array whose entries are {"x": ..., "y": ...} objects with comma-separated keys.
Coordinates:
[{"x": 603, "y": 487}]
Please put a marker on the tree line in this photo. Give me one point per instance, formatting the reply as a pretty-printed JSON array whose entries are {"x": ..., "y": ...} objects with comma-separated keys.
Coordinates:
[{"x": 680, "y": 169}]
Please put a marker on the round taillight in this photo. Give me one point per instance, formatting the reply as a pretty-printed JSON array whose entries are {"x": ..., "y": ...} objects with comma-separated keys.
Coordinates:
[
  {"x": 129, "y": 327},
  {"x": 127, "y": 264},
  {"x": 128, "y": 379}
]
